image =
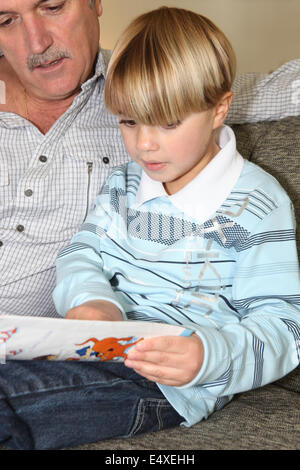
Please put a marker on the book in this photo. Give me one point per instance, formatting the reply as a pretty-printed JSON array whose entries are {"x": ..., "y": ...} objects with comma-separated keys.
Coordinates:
[{"x": 42, "y": 338}]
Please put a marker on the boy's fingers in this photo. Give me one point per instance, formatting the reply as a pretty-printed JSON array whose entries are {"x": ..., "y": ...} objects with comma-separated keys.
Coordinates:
[
  {"x": 172, "y": 344},
  {"x": 159, "y": 348},
  {"x": 168, "y": 360},
  {"x": 155, "y": 357}
]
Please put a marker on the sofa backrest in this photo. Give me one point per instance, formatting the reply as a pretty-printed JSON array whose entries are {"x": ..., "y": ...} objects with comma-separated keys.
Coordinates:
[{"x": 275, "y": 146}]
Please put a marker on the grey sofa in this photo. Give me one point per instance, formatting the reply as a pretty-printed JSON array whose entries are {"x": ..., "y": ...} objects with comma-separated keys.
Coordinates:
[{"x": 266, "y": 418}]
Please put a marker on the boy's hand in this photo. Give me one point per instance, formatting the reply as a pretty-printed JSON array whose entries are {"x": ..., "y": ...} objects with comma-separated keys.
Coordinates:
[
  {"x": 168, "y": 360},
  {"x": 95, "y": 310}
]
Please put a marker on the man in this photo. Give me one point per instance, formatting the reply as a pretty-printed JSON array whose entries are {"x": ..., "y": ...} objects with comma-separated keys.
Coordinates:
[{"x": 57, "y": 142}]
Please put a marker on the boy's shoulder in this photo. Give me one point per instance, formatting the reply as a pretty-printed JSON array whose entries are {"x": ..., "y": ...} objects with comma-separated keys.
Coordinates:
[
  {"x": 255, "y": 198},
  {"x": 125, "y": 176},
  {"x": 255, "y": 179}
]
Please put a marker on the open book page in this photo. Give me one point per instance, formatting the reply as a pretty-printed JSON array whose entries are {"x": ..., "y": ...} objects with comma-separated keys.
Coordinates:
[{"x": 37, "y": 338}]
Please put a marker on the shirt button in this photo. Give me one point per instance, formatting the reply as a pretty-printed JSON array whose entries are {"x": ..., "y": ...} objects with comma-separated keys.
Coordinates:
[
  {"x": 20, "y": 228},
  {"x": 28, "y": 192},
  {"x": 105, "y": 160},
  {"x": 43, "y": 159}
]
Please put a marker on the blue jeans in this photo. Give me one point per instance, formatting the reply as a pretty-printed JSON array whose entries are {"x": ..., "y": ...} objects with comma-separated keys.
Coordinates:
[{"x": 54, "y": 405}]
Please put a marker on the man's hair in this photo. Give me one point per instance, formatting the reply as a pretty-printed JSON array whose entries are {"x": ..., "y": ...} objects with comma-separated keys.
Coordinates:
[
  {"x": 91, "y": 3},
  {"x": 168, "y": 63}
]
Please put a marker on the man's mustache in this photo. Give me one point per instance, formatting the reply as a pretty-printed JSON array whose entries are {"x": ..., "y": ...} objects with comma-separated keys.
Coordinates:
[{"x": 35, "y": 60}]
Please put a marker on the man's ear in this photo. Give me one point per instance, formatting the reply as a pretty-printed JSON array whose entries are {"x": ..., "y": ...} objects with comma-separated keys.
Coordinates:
[
  {"x": 99, "y": 7},
  {"x": 222, "y": 109}
]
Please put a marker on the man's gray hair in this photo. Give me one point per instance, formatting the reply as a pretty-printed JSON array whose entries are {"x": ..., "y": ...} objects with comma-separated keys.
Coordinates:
[{"x": 91, "y": 3}]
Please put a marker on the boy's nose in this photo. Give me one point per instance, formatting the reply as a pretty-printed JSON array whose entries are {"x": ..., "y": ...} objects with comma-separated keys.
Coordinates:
[{"x": 147, "y": 139}]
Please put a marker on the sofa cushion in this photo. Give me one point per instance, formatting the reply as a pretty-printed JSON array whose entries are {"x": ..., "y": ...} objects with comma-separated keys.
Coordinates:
[{"x": 275, "y": 146}]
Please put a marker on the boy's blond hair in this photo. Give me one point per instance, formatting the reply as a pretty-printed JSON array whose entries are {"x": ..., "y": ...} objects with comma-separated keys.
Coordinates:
[{"x": 167, "y": 64}]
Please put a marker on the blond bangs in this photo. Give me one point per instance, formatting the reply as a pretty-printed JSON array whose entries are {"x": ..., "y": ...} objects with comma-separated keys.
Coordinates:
[{"x": 166, "y": 65}]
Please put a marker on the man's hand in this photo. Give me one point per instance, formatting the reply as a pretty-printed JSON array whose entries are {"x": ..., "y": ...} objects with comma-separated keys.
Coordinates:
[
  {"x": 95, "y": 310},
  {"x": 168, "y": 360}
]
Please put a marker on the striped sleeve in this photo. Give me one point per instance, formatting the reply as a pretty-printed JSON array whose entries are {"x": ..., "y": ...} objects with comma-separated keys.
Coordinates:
[{"x": 263, "y": 345}]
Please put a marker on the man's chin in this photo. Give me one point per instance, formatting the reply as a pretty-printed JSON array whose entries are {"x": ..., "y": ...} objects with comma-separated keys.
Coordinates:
[{"x": 57, "y": 90}]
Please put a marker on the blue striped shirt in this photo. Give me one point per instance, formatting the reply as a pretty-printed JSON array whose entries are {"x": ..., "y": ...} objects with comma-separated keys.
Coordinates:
[{"x": 218, "y": 257}]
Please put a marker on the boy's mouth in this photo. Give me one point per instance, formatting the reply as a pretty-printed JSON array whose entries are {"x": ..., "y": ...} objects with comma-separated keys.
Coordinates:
[{"x": 154, "y": 166}]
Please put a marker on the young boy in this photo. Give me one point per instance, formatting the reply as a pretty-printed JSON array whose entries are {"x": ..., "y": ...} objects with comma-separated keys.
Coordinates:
[{"x": 189, "y": 232}]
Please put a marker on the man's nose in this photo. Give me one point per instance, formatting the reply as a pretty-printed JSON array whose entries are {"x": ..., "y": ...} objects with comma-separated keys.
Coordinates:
[
  {"x": 147, "y": 139},
  {"x": 37, "y": 35}
]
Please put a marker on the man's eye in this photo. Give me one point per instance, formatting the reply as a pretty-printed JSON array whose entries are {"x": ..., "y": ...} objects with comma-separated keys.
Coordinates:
[
  {"x": 6, "y": 22},
  {"x": 55, "y": 8}
]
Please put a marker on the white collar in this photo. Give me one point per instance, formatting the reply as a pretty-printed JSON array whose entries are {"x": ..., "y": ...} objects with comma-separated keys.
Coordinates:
[{"x": 209, "y": 189}]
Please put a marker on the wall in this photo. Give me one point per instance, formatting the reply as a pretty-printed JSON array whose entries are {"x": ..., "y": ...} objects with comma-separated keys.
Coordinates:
[{"x": 264, "y": 33}]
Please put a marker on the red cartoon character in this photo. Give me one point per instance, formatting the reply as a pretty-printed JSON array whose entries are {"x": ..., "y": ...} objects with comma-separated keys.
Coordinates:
[
  {"x": 108, "y": 348},
  {"x": 6, "y": 335}
]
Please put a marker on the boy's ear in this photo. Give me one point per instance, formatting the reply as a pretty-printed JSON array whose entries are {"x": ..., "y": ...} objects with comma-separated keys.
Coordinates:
[{"x": 222, "y": 109}]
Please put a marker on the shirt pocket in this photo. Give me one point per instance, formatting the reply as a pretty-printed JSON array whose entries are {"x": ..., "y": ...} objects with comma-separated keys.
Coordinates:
[
  {"x": 94, "y": 153},
  {"x": 102, "y": 146}
]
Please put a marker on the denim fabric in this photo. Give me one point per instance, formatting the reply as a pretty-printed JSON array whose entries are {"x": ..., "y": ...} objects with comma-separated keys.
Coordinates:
[{"x": 55, "y": 405}]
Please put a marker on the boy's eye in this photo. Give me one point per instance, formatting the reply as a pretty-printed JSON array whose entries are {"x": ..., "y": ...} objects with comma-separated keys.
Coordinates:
[
  {"x": 172, "y": 125},
  {"x": 53, "y": 9},
  {"x": 128, "y": 122}
]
